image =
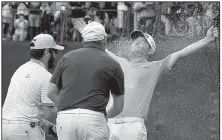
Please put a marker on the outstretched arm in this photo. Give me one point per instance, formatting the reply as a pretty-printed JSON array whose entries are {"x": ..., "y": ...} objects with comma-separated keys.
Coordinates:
[{"x": 211, "y": 34}]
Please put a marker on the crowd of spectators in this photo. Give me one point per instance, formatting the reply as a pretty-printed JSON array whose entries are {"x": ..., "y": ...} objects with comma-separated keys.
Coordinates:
[
  {"x": 177, "y": 18},
  {"x": 24, "y": 20}
]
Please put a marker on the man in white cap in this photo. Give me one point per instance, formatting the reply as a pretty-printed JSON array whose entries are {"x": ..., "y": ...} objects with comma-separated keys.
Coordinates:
[
  {"x": 141, "y": 78},
  {"x": 27, "y": 106},
  {"x": 80, "y": 88}
]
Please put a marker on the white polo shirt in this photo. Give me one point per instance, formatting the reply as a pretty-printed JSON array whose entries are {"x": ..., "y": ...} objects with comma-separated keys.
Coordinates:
[{"x": 27, "y": 93}]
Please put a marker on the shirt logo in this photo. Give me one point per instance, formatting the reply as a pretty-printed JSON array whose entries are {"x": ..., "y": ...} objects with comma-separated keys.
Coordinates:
[{"x": 27, "y": 76}]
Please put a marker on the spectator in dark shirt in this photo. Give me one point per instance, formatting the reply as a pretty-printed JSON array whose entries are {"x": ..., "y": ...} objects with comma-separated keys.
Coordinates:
[
  {"x": 45, "y": 17},
  {"x": 80, "y": 88},
  {"x": 78, "y": 9},
  {"x": 111, "y": 14},
  {"x": 112, "y": 10},
  {"x": 34, "y": 18}
]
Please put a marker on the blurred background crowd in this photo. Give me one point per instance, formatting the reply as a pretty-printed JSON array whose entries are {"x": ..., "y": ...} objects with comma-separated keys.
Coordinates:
[{"x": 24, "y": 20}]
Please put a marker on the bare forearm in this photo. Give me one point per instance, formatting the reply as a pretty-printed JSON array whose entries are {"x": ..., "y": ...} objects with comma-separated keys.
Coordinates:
[
  {"x": 187, "y": 51},
  {"x": 116, "y": 105},
  {"x": 112, "y": 112},
  {"x": 47, "y": 123},
  {"x": 211, "y": 34},
  {"x": 194, "y": 47},
  {"x": 53, "y": 93}
]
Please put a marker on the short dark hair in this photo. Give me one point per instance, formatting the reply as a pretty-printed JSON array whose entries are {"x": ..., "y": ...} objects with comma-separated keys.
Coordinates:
[
  {"x": 39, "y": 53},
  {"x": 36, "y": 53}
]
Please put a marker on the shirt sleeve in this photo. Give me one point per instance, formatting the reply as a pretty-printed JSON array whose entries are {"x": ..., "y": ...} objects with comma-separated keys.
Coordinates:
[
  {"x": 117, "y": 82},
  {"x": 57, "y": 74},
  {"x": 45, "y": 101},
  {"x": 123, "y": 62},
  {"x": 162, "y": 64}
]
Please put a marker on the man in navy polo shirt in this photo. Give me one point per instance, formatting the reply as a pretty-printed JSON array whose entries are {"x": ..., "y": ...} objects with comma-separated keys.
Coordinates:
[{"x": 80, "y": 88}]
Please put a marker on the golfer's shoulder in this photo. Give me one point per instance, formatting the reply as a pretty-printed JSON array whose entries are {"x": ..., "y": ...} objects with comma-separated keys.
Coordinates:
[
  {"x": 69, "y": 55},
  {"x": 35, "y": 72},
  {"x": 74, "y": 53},
  {"x": 112, "y": 62},
  {"x": 44, "y": 75},
  {"x": 39, "y": 72},
  {"x": 35, "y": 69}
]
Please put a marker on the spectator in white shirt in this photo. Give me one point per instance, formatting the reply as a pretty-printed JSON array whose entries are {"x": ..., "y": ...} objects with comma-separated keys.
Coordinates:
[
  {"x": 21, "y": 28},
  {"x": 7, "y": 19}
]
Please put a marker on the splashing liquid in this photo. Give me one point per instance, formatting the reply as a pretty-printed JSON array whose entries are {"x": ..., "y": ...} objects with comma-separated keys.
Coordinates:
[{"x": 120, "y": 47}]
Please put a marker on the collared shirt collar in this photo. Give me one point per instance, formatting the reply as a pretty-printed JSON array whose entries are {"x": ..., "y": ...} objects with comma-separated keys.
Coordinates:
[
  {"x": 93, "y": 45},
  {"x": 38, "y": 62},
  {"x": 140, "y": 61}
]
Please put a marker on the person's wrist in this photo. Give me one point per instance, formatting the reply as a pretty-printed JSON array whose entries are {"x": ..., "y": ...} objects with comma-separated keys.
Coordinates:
[
  {"x": 208, "y": 39},
  {"x": 42, "y": 122},
  {"x": 51, "y": 125}
]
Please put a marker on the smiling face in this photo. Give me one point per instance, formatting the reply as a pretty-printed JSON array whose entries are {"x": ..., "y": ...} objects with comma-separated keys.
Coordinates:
[
  {"x": 139, "y": 48},
  {"x": 140, "y": 44}
]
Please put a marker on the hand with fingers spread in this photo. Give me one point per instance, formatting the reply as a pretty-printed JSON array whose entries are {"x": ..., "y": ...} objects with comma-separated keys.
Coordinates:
[
  {"x": 79, "y": 24},
  {"x": 212, "y": 33}
]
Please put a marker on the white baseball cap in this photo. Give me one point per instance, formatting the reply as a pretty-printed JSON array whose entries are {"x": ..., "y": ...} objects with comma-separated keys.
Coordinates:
[
  {"x": 45, "y": 41},
  {"x": 63, "y": 8},
  {"x": 94, "y": 31},
  {"x": 149, "y": 38}
]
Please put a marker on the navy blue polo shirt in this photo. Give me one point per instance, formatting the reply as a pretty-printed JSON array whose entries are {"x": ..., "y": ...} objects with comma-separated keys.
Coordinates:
[{"x": 85, "y": 76}]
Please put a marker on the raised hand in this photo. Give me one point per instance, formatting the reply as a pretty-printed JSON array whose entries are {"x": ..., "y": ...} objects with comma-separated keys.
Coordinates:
[
  {"x": 212, "y": 33},
  {"x": 79, "y": 24}
]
